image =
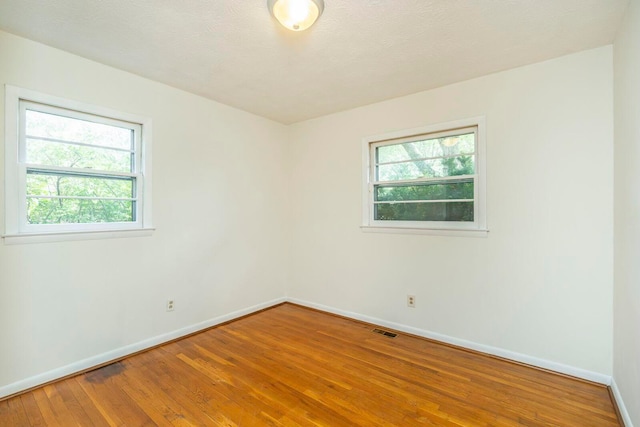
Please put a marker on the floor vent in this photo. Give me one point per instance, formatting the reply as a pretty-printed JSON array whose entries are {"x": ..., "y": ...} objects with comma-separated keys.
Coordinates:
[{"x": 385, "y": 333}]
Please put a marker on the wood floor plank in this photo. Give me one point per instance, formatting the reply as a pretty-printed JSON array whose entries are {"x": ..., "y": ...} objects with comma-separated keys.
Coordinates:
[
  {"x": 86, "y": 404},
  {"x": 59, "y": 410},
  {"x": 159, "y": 406},
  {"x": 292, "y": 366},
  {"x": 33, "y": 412},
  {"x": 251, "y": 377},
  {"x": 46, "y": 410},
  {"x": 164, "y": 383},
  {"x": 17, "y": 412},
  {"x": 194, "y": 393},
  {"x": 392, "y": 386},
  {"x": 78, "y": 411}
]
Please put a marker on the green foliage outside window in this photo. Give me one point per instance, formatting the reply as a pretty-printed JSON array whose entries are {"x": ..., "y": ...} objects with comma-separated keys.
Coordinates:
[
  {"x": 431, "y": 158},
  {"x": 64, "y": 197}
]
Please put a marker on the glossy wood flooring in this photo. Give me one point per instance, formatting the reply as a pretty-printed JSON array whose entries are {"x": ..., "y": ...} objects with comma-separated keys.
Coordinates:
[{"x": 291, "y": 366}]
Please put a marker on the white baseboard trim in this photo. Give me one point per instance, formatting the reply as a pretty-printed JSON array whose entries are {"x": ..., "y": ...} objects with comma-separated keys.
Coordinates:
[
  {"x": 626, "y": 418},
  {"x": 495, "y": 351},
  {"x": 121, "y": 352}
]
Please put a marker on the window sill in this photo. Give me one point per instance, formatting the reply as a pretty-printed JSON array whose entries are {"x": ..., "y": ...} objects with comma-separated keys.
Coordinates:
[
  {"x": 453, "y": 232},
  {"x": 18, "y": 239}
]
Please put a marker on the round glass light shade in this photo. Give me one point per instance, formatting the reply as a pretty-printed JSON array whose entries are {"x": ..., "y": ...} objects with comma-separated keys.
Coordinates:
[{"x": 296, "y": 15}]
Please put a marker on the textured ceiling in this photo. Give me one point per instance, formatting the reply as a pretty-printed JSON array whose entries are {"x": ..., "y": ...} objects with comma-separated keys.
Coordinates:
[{"x": 359, "y": 52}]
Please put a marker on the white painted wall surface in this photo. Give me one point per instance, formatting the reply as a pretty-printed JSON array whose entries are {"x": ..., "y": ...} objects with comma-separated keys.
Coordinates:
[
  {"x": 541, "y": 283},
  {"x": 220, "y": 206},
  {"x": 626, "y": 366}
]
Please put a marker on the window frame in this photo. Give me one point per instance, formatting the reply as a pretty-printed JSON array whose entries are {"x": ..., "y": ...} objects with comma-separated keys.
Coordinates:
[
  {"x": 477, "y": 227},
  {"x": 17, "y": 102}
]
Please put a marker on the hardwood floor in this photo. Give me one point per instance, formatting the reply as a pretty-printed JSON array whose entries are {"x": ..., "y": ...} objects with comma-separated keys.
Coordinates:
[{"x": 292, "y": 366}]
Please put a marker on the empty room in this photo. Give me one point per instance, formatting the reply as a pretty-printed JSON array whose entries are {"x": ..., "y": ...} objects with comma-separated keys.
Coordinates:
[{"x": 320, "y": 213}]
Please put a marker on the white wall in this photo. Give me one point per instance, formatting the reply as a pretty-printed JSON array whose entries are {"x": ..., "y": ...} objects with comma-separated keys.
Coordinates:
[
  {"x": 541, "y": 283},
  {"x": 220, "y": 208},
  {"x": 626, "y": 367}
]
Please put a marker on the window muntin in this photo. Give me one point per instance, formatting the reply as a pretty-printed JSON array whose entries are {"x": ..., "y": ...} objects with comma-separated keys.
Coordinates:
[{"x": 429, "y": 178}]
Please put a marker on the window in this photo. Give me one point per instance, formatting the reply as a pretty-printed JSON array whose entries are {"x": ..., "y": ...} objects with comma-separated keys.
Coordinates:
[
  {"x": 74, "y": 168},
  {"x": 429, "y": 178}
]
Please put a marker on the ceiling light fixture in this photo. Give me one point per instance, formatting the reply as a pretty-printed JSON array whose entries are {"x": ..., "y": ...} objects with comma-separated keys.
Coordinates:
[{"x": 296, "y": 15}]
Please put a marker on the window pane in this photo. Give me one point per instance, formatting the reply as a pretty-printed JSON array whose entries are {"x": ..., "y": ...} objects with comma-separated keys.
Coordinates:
[
  {"x": 446, "y": 211},
  {"x": 435, "y": 147},
  {"x": 437, "y": 168},
  {"x": 73, "y": 156},
  {"x": 78, "y": 211},
  {"x": 40, "y": 184},
  {"x": 75, "y": 130},
  {"x": 462, "y": 189}
]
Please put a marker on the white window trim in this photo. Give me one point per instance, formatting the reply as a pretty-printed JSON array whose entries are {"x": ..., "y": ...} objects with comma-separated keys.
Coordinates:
[
  {"x": 477, "y": 228},
  {"x": 16, "y": 228}
]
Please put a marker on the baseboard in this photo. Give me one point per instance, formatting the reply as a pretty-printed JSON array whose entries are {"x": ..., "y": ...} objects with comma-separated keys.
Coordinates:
[
  {"x": 626, "y": 418},
  {"x": 121, "y": 352},
  {"x": 495, "y": 351}
]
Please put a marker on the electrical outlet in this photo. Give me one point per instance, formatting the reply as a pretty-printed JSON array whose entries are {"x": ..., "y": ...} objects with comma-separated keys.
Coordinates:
[
  {"x": 411, "y": 301},
  {"x": 170, "y": 305}
]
